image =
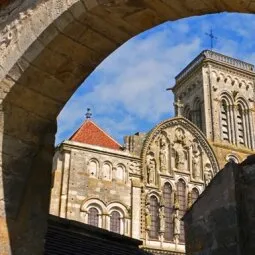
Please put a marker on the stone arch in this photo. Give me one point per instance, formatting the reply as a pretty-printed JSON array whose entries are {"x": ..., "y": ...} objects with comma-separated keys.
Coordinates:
[
  {"x": 93, "y": 167},
  {"x": 197, "y": 117},
  {"x": 232, "y": 157},
  {"x": 182, "y": 124},
  {"x": 106, "y": 170},
  {"x": 121, "y": 173},
  {"x": 123, "y": 213},
  {"x": 42, "y": 63},
  {"x": 116, "y": 204},
  {"x": 94, "y": 202},
  {"x": 187, "y": 112},
  {"x": 244, "y": 125}
]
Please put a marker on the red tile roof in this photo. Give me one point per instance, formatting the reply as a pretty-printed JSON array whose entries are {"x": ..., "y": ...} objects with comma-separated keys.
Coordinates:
[{"x": 90, "y": 133}]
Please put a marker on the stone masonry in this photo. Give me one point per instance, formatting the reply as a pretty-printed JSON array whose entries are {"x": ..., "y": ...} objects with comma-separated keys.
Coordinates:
[
  {"x": 47, "y": 48},
  {"x": 222, "y": 219}
]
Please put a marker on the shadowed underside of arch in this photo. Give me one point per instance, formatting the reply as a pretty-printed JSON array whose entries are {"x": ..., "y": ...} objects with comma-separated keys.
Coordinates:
[{"x": 47, "y": 48}]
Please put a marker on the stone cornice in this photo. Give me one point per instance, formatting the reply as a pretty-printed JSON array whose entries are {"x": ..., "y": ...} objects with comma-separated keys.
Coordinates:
[
  {"x": 217, "y": 58},
  {"x": 233, "y": 71},
  {"x": 69, "y": 145}
]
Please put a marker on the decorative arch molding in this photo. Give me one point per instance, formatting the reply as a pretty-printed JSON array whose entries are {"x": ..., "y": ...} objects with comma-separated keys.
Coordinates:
[
  {"x": 234, "y": 158},
  {"x": 93, "y": 172},
  {"x": 172, "y": 183},
  {"x": 116, "y": 205},
  {"x": 182, "y": 124},
  {"x": 154, "y": 193},
  {"x": 90, "y": 202},
  {"x": 226, "y": 95}
]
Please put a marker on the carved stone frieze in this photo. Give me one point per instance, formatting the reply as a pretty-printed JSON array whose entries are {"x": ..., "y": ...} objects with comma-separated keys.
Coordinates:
[
  {"x": 176, "y": 145},
  {"x": 134, "y": 167}
]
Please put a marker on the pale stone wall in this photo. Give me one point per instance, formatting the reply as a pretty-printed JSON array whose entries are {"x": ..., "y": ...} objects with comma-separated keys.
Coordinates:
[
  {"x": 75, "y": 187},
  {"x": 222, "y": 219},
  {"x": 211, "y": 77}
]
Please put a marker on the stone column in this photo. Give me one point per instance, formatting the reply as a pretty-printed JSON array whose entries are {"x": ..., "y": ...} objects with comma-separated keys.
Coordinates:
[
  {"x": 136, "y": 208},
  {"x": 27, "y": 150},
  {"x": 65, "y": 184},
  {"x": 57, "y": 173}
]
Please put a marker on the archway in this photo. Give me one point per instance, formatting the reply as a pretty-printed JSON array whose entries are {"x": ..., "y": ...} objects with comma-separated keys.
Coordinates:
[{"x": 47, "y": 49}]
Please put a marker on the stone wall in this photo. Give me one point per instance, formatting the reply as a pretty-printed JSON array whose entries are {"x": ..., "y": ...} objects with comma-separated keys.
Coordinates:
[{"x": 222, "y": 219}]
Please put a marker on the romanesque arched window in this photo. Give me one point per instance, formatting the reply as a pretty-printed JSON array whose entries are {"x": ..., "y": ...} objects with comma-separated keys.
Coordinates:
[
  {"x": 154, "y": 211},
  {"x": 120, "y": 173},
  {"x": 243, "y": 124},
  {"x": 115, "y": 221},
  {"x": 232, "y": 158},
  {"x": 198, "y": 113},
  {"x": 167, "y": 195},
  {"x": 106, "y": 171},
  {"x": 225, "y": 120},
  {"x": 240, "y": 125},
  {"x": 194, "y": 195},
  {"x": 93, "y": 217},
  {"x": 187, "y": 113},
  {"x": 93, "y": 168},
  {"x": 181, "y": 196}
]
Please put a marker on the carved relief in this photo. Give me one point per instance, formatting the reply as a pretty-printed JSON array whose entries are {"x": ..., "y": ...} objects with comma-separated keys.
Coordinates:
[
  {"x": 196, "y": 161},
  {"x": 162, "y": 219},
  {"x": 163, "y": 154},
  {"x": 151, "y": 168},
  {"x": 177, "y": 225},
  {"x": 134, "y": 167},
  {"x": 180, "y": 149},
  {"x": 208, "y": 174},
  {"x": 147, "y": 218}
]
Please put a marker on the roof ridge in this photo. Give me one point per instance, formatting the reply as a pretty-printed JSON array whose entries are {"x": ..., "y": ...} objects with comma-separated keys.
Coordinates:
[
  {"x": 105, "y": 132},
  {"x": 91, "y": 133}
]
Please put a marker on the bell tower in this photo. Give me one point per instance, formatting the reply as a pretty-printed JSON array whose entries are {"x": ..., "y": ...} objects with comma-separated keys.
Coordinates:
[{"x": 217, "y": 94}]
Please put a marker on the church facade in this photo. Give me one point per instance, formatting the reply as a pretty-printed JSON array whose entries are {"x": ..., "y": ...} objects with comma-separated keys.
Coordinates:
[{"x": 143, "y": 189}]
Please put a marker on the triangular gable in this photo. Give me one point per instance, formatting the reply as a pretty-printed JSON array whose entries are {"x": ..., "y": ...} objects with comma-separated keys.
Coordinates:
[{"x": 90, "y": 133}]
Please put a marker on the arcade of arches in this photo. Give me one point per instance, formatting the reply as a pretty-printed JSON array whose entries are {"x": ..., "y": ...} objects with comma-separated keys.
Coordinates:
[{"x": 47, "y": 48}]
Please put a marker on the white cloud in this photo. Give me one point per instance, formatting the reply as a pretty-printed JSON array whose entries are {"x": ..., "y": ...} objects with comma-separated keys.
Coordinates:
[
  {"x": 132, "y": 80},
  {"x": 127, "y": 91}
]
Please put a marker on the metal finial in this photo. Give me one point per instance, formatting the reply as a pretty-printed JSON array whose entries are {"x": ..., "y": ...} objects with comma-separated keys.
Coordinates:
[
  {"x": 212, "y": 37},
  {"x": 88, "y": 114}
]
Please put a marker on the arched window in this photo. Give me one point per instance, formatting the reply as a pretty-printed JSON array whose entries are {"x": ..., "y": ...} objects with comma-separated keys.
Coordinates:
[
  {"x": 93, "y": 217},
  {"x": 232, "y": 158},
  {"x": 154, "y": 208},
  {"x": 92, "y": 169},
  {"x": 225, "y": 121},
  {"x": 106, "y": 171},
  {"x": 198, "y": 113},
  {"x": 187, "y": 113},
  {"x": 167, "y": 195},
  {"x": 115, "y": 219},
  {"x": 181, "y": 195},
  {"x": 120, "y": 173},
  {"x": 240, "y": 125},
  {"x": 194, "y": 195}
]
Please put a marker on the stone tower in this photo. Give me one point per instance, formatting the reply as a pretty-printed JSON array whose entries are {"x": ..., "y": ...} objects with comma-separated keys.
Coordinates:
[{"x": 217, "y": 93}]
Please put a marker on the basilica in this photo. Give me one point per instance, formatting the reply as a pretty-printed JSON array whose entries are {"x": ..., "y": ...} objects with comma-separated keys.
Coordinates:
[{"x": 143, "y": 188}]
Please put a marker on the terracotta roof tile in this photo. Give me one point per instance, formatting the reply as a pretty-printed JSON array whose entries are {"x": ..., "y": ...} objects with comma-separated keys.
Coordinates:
[{"x": 90, "y": 133}]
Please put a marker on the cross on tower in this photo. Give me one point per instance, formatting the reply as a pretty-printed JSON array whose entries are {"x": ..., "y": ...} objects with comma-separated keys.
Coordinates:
[
  {"x": 212, "y": 37},
  {"x": 88, "y": 114}
]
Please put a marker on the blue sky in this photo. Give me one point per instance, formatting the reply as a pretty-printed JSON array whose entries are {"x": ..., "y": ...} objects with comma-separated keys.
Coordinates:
[{"x": 127, "y": 91}]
